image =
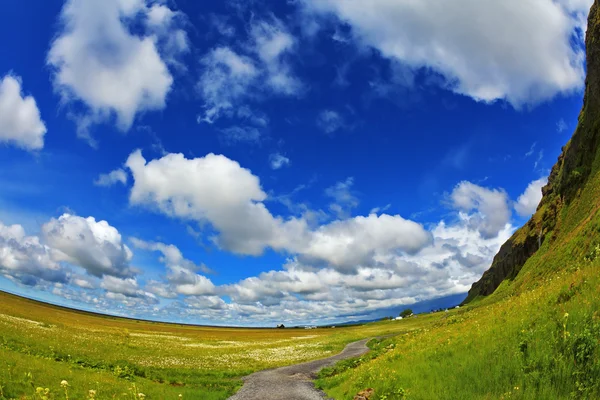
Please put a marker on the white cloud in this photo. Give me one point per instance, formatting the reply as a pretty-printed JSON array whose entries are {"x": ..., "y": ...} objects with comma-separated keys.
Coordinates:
[
  {"x": 97, "y": 60},
  {"x": 20, "y": 122},
  {"x": 231, "y": 78},
  {"x": 330, "y": 121},
  {"x": 278, "y": 161},
  {"x": 561, "y": 126},
  {"x": 113, "y": 177},
  {"x": 348, "y": 244},
  {"x": 218, "y": 190},
  {"x": 470, "y": 43},
  {"x": 215, "y": 189},
  {"x": 347, "y": 269},
  {"x": 527, "y": 202},
  {"x": 160, "y": 15},
  {"x": 128, "y": 286},
  {"x": 225, "y": 82},
  {"x": 531, "y": 150},
  {"x": 490, "y": 207},
  {"x": 93, "y": 245},
  {"x": 182, "y": 276},
  {"x": 25, "y": 259},
  {"x": 125, "y": 289},
  {"x": 344, "y": 199},
  {"x": 272, "y": 42}
]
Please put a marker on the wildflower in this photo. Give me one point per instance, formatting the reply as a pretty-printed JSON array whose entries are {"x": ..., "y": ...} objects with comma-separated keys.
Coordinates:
[
  {"x": 141, "y": 395},
  {"x": 516, "y": 388},
  {"x": 64, "y": 383},
  {"x": 180, "y": 396},
  {"x": 92, "y": 394},
  {"x": 566, "y": 315}
]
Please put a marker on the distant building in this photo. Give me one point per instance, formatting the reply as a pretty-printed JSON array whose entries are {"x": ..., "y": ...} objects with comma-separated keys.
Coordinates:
[
  {"x": 398, "y": 318},
  {"x": 280, "y": 326}
]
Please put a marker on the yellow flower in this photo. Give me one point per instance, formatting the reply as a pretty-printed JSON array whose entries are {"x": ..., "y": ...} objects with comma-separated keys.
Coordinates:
[
  {"x": 64, "y": 383},
  {"x": 92, "y": 393},
  {"x": 141, "y": 395}
]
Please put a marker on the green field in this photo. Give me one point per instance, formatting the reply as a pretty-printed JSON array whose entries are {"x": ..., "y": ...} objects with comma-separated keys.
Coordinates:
[{"x": 42, "y": 345}]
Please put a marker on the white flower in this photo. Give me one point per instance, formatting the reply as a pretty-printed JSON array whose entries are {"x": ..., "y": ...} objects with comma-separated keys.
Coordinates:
[
  {"x": 64, "y": 383},
  {"x": 141, "y": 395}
]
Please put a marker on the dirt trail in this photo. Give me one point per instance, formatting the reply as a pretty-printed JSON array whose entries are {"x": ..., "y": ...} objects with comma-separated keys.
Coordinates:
[{"x": 293, "y": 382}]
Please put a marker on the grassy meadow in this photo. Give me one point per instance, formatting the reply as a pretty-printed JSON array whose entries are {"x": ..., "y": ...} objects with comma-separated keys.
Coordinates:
[{"x": 105, "y": 357}]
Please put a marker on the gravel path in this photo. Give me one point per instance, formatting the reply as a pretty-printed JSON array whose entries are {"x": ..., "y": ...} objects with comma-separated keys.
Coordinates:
[{"x": 293, "y": 382}]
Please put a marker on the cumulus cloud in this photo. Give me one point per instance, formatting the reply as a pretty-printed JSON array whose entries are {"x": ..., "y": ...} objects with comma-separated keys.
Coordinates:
[
  {"x": 278, "y": 161},
  {"x": 26, "y": 259},
  {"x": 125, "y": 289},
  {"x": 214, "y": 189},
  {"x": 231, "y": 77},
  {"x": 112, "y": 178},
  {"x": 129, "y": 74},
  {"x": 491, "y": 212},
  {"x": 471, "y": 46},
  {"x": 527, "y": 202},
  {"x": 218, "y": 190},
  {"x": 347, "y": 244},
  {"x": 20, "y": 122},
  {"x": 347, "y": 269},
  {"x": 93, "y": 245}
]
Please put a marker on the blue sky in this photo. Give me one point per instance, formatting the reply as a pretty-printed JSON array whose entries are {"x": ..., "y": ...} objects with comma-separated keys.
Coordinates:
[{"x": 251, "y": 163}]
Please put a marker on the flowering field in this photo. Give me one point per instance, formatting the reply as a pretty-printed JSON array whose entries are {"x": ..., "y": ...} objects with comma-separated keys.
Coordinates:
[{"x": 93, "y": 356}]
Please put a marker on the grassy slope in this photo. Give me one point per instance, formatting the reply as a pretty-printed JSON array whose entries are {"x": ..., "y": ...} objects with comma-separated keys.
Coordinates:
[
  {"x": 537, "y": 336},
  {"x": 40, "y": 345}
]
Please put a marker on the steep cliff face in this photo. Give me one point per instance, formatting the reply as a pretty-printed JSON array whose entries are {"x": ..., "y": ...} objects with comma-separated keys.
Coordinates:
[{"x": 573, "y": 180}]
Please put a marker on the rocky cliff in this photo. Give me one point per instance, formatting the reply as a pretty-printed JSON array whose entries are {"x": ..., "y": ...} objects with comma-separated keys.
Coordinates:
[{"x": 569, "y": 180}]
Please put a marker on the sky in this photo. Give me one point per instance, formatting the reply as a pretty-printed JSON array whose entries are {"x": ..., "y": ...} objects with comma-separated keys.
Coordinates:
[{"x": 263, "y": 162}]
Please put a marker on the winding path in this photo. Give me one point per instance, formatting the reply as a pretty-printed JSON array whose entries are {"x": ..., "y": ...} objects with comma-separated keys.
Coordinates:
[{"x": 293, "y": 382}]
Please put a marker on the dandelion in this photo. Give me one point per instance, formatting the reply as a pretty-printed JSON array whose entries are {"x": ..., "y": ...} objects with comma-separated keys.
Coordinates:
[
  {"x": 65, "y": 385},
  {"x": 141, "y": 395},
  {"x": 92, "y": 394}
]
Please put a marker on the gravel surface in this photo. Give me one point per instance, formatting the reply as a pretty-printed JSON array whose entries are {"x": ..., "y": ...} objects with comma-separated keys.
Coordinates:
[{"x": 293, "y": 382}]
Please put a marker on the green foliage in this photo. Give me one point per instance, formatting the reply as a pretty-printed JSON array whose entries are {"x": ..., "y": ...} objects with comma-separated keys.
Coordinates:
[{"x": 406, "y": 313}]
